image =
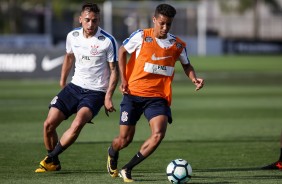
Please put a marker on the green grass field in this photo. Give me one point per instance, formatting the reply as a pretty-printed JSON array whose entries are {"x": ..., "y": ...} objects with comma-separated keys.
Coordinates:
[{"x": 227, "y": 131}]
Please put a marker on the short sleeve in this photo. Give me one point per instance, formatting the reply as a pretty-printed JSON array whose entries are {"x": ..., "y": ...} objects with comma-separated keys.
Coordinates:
[
  {"x": 68, "y": 44},
  {"x": 184, "y": 57},
  {"x": 112, "y": 54},
  {"x": 134, "y": 41}
]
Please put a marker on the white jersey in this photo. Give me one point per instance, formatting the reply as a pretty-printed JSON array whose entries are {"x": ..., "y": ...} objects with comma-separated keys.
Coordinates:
[
  {"x": 134, "y": 42},
  {"x": 91, "y": 58}
]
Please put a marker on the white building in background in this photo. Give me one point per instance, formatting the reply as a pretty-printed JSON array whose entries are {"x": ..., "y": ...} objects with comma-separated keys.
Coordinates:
[
  {"x": 266, "y": 23},
  {"x": 203, "y": 23}
]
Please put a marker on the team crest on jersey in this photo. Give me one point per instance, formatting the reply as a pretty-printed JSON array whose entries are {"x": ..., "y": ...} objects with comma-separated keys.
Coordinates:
[
  {"x": 124, "y": 116},
  {"x": 102, "y": 38},
  {"x": 94, "y": 49},
  {"x": 179, "y": 45},
  {"x": 172, "y": 41},
  {"x": 148, "y": 39},
  {"x": 75, "y": 34}
]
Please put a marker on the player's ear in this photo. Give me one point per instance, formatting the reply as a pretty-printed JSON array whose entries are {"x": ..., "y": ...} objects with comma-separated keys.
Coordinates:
[
  {"x": 154, "y": 19},
  {"x": 80, "y": 19}
]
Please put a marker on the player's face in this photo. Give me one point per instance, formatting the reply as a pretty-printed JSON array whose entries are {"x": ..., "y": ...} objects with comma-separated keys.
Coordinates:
[
  {"x": 162, "y": 25},
  {"x": 90, "y": 22}
]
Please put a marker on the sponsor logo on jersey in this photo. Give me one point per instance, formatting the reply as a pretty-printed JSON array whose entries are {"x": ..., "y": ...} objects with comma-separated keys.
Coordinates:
[
  {"x": 179, "y": 45},
  {"x": 148, "y": 39},
  {"x": 75, "y": 33},
  {"x": 102, "y": 38},
  {"x": 172, "y": 41},
  {"x": 158, "y": 69},
  {"x": 155, "y": 58},
  {"x": 85, "y": 58}
]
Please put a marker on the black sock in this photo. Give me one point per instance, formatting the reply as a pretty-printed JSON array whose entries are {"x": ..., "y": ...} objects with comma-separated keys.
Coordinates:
[
  {"x": 49, "y": 159},
  {"x": 134, "y": 161},
  {"x": 280, "y": 158},
  {"x": 53, "y": 155},
  {"x": 114, "y": 154}
]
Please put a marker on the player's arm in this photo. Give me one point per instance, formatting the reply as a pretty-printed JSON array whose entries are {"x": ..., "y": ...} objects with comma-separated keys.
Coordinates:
[
  {"x": 129, "y": 46},
  {"x": 67, "y": 65},
  {"x": 190, "y": 72},
  {"x": 109, "y": 106},
  {"x": 122, "y": 67}
]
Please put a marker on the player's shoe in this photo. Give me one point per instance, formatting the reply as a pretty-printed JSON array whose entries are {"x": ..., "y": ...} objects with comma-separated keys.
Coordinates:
[
  {"x": 126, "y": 175},
  {"x": 274, "y": 166},
  {"x": 112, "y": 166},
  {"x": 51, "y": 166}
]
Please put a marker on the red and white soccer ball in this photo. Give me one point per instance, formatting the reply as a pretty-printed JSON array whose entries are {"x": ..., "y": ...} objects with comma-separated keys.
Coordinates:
[{"x": 179, "y": 171}]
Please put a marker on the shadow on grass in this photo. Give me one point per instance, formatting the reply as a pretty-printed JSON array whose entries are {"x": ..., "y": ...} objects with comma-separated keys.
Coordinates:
[
  {"x": 250, "y": 139},
  {"x": 228, "y": 169},
  {"x": 267, "y": 175},
  {"x": 80, "y": 172}
]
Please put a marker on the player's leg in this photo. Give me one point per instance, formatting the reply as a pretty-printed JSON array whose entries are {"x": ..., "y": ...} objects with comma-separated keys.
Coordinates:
[
  {"x": 88, "y": 107},
  {"x": 130, "y": 113},
  {"x": 83, "y": 116},
  {"x": 278, "y": 164},
  {"x": 121, "y": 141},
  {"x": 125, "y": 137},
  {"x": 54, "y": 118},
  {"x": 60, "y": 109},
  {"x": 158, "y": 126},
  {"x": 49, "y": 163},
  {"x": 158, "y": 113}
]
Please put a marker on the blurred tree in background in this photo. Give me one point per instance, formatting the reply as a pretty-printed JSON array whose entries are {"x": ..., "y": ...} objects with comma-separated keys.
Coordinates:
[{"x": 15, "y": 14}]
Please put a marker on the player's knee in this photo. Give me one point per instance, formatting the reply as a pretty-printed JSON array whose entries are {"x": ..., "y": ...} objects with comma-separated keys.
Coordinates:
[
  {"x": 124, "y": 142},
  {"x": 76, "y": 127},
  {"x": 49, "y": 127},
  {"x": 158, "y": 137}
]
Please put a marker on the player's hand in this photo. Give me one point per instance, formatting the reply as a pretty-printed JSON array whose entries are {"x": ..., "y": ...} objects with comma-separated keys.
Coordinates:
[
  {"x": 109, "y": 110},
  {"x": 62, "y": 84},
  {"x": 124, "y": 88},
  {"x": 199, "y": 83},
  {"x": 109, "y": 107}
]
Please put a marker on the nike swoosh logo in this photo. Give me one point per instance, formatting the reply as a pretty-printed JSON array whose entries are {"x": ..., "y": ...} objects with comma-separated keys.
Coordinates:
[
  {"x": 48, "y": 64},
  {"x": 154, "y": 58}
]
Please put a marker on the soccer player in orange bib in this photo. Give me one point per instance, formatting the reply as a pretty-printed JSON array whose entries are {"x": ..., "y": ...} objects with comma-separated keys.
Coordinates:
[{"x": 146, "y": 86}]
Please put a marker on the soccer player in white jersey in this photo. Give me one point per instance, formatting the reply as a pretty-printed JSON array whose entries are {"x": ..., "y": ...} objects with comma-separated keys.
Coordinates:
[{"x": 95, "y": 55}]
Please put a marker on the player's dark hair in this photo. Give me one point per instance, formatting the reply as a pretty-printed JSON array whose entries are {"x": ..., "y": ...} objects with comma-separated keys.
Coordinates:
[
  {"x": 91, "y": 7},
  {"x": 166, "y": 10}
]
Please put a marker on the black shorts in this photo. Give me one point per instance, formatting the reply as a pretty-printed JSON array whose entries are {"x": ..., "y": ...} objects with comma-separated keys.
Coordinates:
[
  {"x": 132, "y": 107},
  {"x": 72, "y": 98}
]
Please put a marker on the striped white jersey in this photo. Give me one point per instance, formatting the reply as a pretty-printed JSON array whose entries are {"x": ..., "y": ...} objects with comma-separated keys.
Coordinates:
[{"x": 91, "y": 58}]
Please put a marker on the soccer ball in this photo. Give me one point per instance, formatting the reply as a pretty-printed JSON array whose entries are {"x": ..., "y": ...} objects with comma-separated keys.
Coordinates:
[{"x": 179, "y": 171}]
